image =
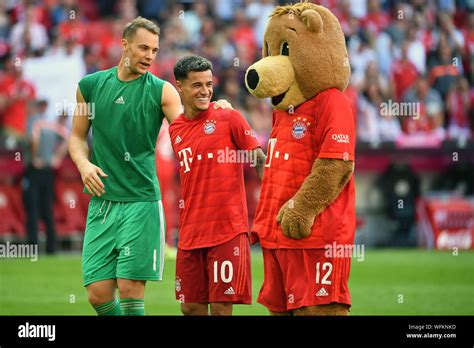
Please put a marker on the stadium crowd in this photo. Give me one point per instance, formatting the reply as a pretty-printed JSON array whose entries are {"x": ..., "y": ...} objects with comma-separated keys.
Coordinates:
[
  {"x": 404, "y": 51},
  {"x": 417, "y": 52}
]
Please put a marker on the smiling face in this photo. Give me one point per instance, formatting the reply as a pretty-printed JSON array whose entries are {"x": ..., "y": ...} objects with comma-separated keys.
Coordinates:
[
  {"x": 196, "y": 91},
  {"x": 140, "y": 51}
]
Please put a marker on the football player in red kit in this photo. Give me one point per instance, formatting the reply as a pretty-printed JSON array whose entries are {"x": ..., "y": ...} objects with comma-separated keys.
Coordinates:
[{"x": 213, "y": 261}]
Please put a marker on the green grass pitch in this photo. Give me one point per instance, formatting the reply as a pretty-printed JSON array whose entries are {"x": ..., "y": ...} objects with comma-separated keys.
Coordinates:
[{"x": 386, "y": 282}]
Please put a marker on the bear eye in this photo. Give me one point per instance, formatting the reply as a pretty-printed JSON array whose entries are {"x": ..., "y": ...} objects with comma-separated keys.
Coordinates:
[{"x": 285, "y": 49}]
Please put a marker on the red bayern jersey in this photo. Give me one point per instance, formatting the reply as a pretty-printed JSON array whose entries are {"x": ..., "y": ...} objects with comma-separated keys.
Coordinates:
[
  {"x": 212, "y": 182},
  {"x": 322, "y": 127}
]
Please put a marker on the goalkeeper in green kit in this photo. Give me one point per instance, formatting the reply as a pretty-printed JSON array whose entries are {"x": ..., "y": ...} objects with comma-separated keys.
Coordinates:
[{"x": 124, "y": 238}]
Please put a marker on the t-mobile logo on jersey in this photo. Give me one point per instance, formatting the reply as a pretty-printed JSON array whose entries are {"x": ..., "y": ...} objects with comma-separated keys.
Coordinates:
[{"x": 185, "y": 157}]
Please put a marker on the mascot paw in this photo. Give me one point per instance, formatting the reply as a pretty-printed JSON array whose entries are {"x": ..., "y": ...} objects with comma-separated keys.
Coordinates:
[{"x": 295, "y": 219}]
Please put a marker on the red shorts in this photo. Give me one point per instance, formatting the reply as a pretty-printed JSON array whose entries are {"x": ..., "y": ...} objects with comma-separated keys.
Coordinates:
[
  {"x": 295, "y": 278},
  {"x": 219, "y": 273}
]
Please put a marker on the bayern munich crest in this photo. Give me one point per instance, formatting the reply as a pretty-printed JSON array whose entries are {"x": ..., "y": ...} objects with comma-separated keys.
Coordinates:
[
  {"x": 209, "y": 126},
  {"x": 300, "y": 127}
]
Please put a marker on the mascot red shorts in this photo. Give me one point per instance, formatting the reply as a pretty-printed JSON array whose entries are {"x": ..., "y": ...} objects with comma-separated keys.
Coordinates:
[
  {"x": 297, "y": 278},
  {"x": 219, "y": 273}
]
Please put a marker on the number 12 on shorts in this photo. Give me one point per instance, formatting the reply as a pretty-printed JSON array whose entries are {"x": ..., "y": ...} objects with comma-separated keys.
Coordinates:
[
  {"x": 326, "y": 266},
  {"x": 226, "y": 271}
]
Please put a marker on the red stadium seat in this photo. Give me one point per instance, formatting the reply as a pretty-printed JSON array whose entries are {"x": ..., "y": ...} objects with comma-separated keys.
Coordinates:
[
  {"x": 69, "y": 212},
  {"x": 11, "y": 211}
]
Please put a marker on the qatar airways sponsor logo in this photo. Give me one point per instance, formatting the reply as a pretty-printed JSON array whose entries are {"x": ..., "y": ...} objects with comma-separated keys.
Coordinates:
[
  {"x": 250, "y": 133},
  {"x": 340, "y": 138}
]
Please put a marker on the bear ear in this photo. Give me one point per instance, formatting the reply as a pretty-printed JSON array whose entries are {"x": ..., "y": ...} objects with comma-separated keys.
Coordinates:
[
  {"x": 265, "y": 49},
  {"x": 312, "y": 19}
]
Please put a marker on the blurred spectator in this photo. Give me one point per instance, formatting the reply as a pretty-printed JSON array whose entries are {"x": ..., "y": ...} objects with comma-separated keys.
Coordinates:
[
  {"x": 360, "y": 57},
  {"x": 403, "y": 74},
  {"x": 385, "y": 55},
  {"x": 47, "y": 140},
  {"x": 194, "y": 18},
  {"x": 15, "y": 94},
  {"x": 458, "y": 106},
  {"x": 127, "y": 9},
  {"x": 359, "y": 8},
  {"x": 152, "y": 9},
  {"x": 448, "y": 6},
  {"x": 28, "y": 36},
  {"x": 4, "y": 22},
  {"x": 373, "y": 76},
  {"x": 243, "y": 37},
  {"x": 445, "y": 68},
  {"x": 232, "y": 91},
  {"x": 372, "y": 125},
  {"x": 376, "y": 20},
  {"x": 469, "y": 48},
  {"x": 416, "y": 49},
  {"x": 430, "y": 118},
  {"x": 343, "y": 13},
  {"x": 111, "y": 43},
  {"x": 397, "y": 28},
  {"x": 63, "y": 11},
  {"x": 224, "y": 9},
  {"x": 448, "y": 31},
  {"x": 260, "y": 123},
  {"x": 259, "y": 11}
]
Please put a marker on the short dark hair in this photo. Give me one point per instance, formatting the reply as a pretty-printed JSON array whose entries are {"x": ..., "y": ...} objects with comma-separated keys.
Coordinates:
[
  {"x": 190, "y": 63},
  {"x": 139, "y": 22}
]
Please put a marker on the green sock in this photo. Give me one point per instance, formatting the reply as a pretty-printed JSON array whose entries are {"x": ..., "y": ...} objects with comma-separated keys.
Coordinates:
[
  {"x": 132, "y": 306},
  {"x": 109, "y": 308}
]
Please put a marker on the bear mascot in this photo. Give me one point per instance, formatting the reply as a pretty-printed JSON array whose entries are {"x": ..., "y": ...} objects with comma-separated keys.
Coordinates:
[{"x": 305, "y": 217}]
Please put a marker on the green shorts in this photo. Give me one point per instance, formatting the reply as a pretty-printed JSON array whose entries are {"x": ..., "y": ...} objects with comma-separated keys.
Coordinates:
[{"x": 123, "y": 240}]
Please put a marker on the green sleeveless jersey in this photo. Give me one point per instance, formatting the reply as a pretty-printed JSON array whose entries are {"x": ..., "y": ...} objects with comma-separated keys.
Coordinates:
[{"x": 126, "y": 118}]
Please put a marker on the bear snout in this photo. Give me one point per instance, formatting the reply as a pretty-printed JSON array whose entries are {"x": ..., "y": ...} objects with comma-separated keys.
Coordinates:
[{"x": 252, "y": 78}]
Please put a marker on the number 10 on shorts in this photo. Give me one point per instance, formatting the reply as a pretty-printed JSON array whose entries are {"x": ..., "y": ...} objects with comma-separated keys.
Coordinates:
[{"x": 226, "y": 271}]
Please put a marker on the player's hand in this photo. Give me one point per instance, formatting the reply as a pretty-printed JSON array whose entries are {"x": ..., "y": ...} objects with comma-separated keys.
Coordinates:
[
  {"x": 295, "y": 219},
  {"x": 223, "y": 104},
  {"x": 91, "y": 175}
]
